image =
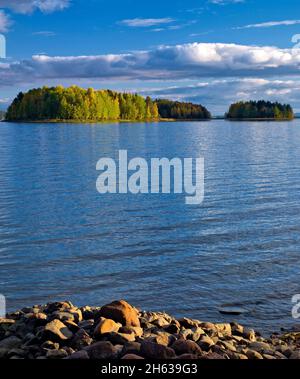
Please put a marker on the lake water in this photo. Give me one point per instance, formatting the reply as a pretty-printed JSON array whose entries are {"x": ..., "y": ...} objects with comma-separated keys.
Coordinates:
[{"x": 61, "y": 239}]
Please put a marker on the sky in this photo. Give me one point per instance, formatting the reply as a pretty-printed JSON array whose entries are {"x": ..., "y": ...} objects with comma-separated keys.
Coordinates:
[{"x": 212, "y": 52}]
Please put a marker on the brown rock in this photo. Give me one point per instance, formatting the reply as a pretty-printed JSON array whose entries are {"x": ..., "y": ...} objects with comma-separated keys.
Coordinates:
[
  {"x": 57, "y": 331},
  {"x": 106, "y": 326},
  {"x": 186, "y": 347},
  {"x": 188, "y": 323},
  {"x": 206, "y": 343},
  {"x": 119, "y": 338},
  {"x": 152, "y": 350},
  {"x": 225, "y": 329},
  {"x": 56, "y": 354},
  {"x": 131, "y": 356},
  {"x": 187, "y": 356},
  {"x": 252, "y": 354},
  {"x": 213, "y": 356},
  {"x": 81, "y": 354},
  {"x": 122, "y": 312},
  {"x": 101, "y": 350}
]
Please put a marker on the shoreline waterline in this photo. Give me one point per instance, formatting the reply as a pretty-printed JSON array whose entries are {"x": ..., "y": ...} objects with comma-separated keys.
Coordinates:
[{"x": 118, "y": 330}]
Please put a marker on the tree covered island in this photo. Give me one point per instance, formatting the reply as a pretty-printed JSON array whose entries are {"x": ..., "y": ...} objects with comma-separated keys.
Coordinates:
[
  {"x": 89, "y": 105},
  {"x": 260, "y": 110},
  {"x": 181, "y": 110}
]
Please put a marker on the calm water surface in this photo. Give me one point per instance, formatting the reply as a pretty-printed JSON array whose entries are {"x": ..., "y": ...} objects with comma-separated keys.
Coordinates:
[{"x": 60, "y": 239}]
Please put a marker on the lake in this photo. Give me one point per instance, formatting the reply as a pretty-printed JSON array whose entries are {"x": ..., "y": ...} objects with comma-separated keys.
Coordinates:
[{"x": 60, "y": 239}]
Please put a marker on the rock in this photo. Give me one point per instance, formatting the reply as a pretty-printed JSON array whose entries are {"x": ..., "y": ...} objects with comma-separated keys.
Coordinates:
[
  {"x": 253, "y": 354},
  {"x": 131, "y": 348},
  {"x": 81, "y": 339},
  {"x": 295, "y": 355},
  {"x": 81, "y": 354},
  {"x": 208, "y": 327},
  {"x": 132, "y": 329},
  {"x": 119, "y": 338},
  {"x": 172, "y": 328},
  {"x": 122, "y": 312},
  {"x": 249, "y": 334},
  {"x": 106, "y": 326},
  {"x": 259, "y": 346},
  {"x": 11, "y": 342},
  {"x": 56, "y": 354},
  {"x": 162, "y": 338},
  {"x": 131, "y": 356},
  {"x": 227, "y": 345},
  {"x": 232, "y": 310},
  {"x": 49, "y": 345},
  {"x": 187, "y": 356},
  {"x": 237, "y": 329},
  {"x": 268, "y": 356},
  {"x": 101, "y": 350},
  {"x": 62, "y": 316},
  {"x": 186, "y": 347},
  {"x": 205, "y": 343},
  {"x": 225, "y": 329},
  {"x": 213, "y": 356},
  {"x": 57, "y": 331},
  {"x": 188, "y": 323},
  {"x": 160, "y": 322},
  {"x": 152, "y": 350},
  {"x": 197, "y": 333}
]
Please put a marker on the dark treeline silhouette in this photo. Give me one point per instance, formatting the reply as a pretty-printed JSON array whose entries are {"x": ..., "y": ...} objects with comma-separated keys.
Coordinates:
[
  {"x": 260, "y": 110},
  {"x": 75, "y": 103},
  {"x": 180, "y": 110},
  {"x": 2, "y": 115}
]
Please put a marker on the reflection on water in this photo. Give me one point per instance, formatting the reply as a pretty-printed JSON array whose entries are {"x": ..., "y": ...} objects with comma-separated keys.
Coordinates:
[{"x": 60, "y": 239}]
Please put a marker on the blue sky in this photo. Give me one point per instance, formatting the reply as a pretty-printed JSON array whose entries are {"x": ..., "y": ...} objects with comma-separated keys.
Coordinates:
[{"x": 208, "y": 51}]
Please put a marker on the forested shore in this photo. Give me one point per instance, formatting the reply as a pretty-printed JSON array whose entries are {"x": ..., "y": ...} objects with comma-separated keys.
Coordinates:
[
  {"x": 260, "y": 110},
  {"x": 88, "y": 105}
]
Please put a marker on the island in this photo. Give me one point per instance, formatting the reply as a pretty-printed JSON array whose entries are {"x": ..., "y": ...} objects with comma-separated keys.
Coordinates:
[
  {"x": 180, "y": 110},
  {"x": 75, "y": 104},
  {"x": 260, "y": 110}
]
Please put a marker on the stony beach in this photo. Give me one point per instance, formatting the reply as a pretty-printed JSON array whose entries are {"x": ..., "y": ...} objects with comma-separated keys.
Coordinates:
[{"x": 120, "y": 331}]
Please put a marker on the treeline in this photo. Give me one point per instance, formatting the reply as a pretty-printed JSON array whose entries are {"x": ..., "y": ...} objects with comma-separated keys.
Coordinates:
[
  {"x": 180, "y": 110},
  {"x": 2, "y": 115},
  {"x": 260, "y": 110},
  {"x": 75, "y": 103}
]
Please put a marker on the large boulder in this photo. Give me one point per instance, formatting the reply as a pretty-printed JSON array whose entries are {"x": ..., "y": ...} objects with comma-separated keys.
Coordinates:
[
  {"x": 122, "y": 312},
  {"x": 152, "y": 350}
]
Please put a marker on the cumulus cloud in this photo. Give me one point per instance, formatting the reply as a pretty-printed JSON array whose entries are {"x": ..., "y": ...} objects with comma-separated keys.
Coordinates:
[
  {"x": 28, "y": 6},
  {"x": 269, "y": 24},
  {"x": 4, "y": 22},
  {"x": 146, "y": 22},
  {"x": 188, "y": 61}
]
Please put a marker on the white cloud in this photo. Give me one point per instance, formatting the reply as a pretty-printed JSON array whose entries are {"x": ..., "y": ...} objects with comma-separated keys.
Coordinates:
[
  {"x": 224, "y": 2},
  {"x": 218, "y": 94},
  {"x": 146, "y": 22},
  {"x": 44, "y": 33},
  {"x": 189, "y": 61},
  {"x": 270, "y": 24},
  {"x": 28, "y": 6},
  {"x": 4, "y": 22}
]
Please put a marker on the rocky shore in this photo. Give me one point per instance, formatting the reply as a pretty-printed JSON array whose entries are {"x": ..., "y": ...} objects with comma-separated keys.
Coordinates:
[{"x": 120, "y": 331}]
